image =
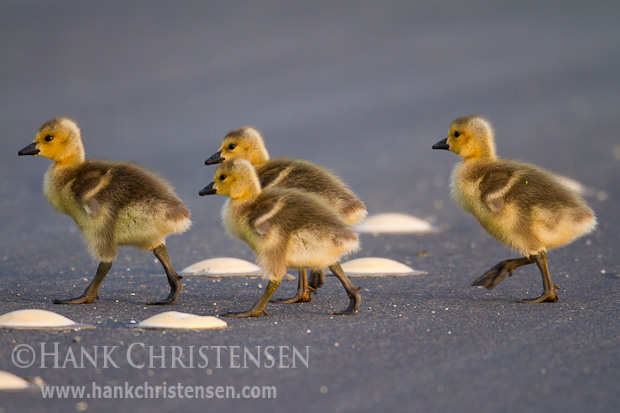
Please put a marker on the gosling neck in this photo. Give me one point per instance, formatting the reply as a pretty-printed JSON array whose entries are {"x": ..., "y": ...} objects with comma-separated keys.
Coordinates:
[
  {"x": 74, "y": 155},
  {"x": 71, "y": 160},
  {"x": 260, "y": 157},
  {"x": 249, "y": 191},
  {"x": 481, "y": 155}
]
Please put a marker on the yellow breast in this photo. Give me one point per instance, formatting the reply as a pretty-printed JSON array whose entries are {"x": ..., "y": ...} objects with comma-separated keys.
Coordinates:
[
  {"x": 234, "y": 218},
  {"x": 465, "y": 192},
  {"x": 57, "y": 190}
]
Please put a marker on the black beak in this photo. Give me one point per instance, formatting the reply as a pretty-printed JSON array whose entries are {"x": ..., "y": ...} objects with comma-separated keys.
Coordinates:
[
  {"x": 208, "y": 190},
  {"x": 29, "y": 150},
  {"x": 442, "y": 144},
  {"x": 215, "y": 158}
]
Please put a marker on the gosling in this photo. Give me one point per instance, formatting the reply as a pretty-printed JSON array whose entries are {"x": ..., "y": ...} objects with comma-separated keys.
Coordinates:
[
  {"x": 113, "y": 203},
  {"x": 247, "y": 143},
  {"x": 284, "y": 227},
  {"x": 523, "y": 206}
]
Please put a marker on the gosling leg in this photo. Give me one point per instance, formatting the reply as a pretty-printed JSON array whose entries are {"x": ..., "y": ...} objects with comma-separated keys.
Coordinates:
[
  {"x": 354, "y": 295},
  {"x": 259, "y": 307},
  {"x": 303, "y": 291},
  {"x": 91, "y": 291},
  {"x": 492, "y": 277},
  {"x": 549, "y": 294},
  {"x": 173, "y": 278},
  {"x": 317, "y": 279}
]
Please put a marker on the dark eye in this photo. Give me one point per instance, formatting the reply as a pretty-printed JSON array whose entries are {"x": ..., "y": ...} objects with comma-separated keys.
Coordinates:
[
  {"x": 222, "y": 177},
  {"x": 49, "y": 138},
  {"x": 457, "y": 134},
  {"x": 232, "y": 146}
]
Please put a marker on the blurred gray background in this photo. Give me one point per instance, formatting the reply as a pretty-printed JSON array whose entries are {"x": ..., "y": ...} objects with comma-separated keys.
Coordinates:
[{"x": 364, "y": 88}]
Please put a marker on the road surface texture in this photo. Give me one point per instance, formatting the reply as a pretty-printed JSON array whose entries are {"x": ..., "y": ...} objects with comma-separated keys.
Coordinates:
[{"x": 364, "y": 88}]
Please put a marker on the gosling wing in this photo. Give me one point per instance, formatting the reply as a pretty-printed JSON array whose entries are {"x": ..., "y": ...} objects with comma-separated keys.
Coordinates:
[
  {"x": 261, "y": 217},
  {"x": 88, "y": 183},
  {"x": 494, "y": 186},
  {"x": 524, "y": 185}
]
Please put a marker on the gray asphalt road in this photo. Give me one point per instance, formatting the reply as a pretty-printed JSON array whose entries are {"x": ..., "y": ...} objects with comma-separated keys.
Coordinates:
[{"x": 364, "y": 88}]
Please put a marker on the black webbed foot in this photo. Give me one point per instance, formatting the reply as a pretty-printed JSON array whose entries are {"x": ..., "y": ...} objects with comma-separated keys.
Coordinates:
[
  {"x": 251, "y": 313},
  {"x": 82, "y": 299}
]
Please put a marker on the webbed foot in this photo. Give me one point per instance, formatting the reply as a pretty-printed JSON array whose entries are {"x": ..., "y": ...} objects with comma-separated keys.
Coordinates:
[
  {"x": 259, "y": 307},
  {"x": 172, "y": 297},
  {"x": 492, "y": 277},
  {"x": 354, "y": 304},
  {"x": 496, "y": 274},
  {"x": 174, "y": 280},
  {"x": 544, "y": 298},
  {"x": 82, "y": 299},
  {"x": 250, "y": 313},
  {"x": 352, "y": 291},
  {"x": 300, "y": 297},
  {"x": 166, "y": 301},
  {"x": 548, "y": 295},
  {"x": 91, "y": 291}
]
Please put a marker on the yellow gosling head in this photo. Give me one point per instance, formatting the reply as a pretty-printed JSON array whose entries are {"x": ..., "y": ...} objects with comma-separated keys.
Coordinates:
[
  {"x": 470, "y": 137},
  {"x": 235, "y": 179},
  {"x": 243, "y": 143},
  {"x": 59, "y": 140}
]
